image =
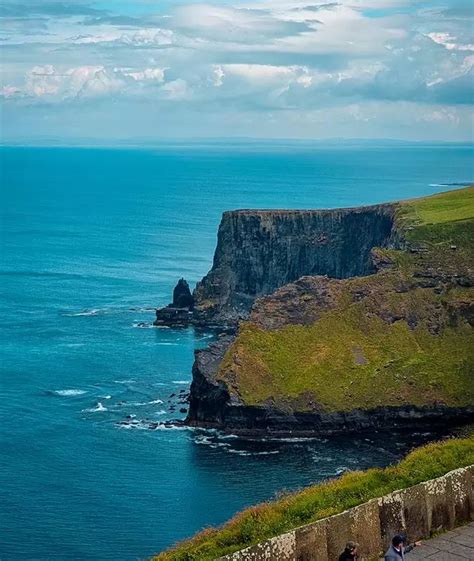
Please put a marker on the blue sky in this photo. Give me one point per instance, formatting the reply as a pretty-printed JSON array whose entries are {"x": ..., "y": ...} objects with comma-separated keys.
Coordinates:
[{"x": 150, "y": 69}]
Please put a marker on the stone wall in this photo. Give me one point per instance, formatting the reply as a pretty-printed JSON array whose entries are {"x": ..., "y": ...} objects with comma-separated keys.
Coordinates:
[{"x": 427, "y": 508}]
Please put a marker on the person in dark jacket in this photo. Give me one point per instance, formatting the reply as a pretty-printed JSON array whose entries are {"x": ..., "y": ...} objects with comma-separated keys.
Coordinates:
[
  {"x": 350, "y": 552},
  {"x": 398, "y": 549}
]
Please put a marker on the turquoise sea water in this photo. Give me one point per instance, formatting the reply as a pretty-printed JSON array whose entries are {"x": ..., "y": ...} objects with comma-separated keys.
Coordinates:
[{"x": 92, "y": 240}]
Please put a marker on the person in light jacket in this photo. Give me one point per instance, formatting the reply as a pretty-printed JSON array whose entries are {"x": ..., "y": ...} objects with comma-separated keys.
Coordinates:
[{"x": 398, "y": 549}]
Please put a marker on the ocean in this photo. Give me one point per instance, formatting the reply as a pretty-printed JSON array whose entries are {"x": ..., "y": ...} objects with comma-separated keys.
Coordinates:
[{"x": 92, "y": 240}]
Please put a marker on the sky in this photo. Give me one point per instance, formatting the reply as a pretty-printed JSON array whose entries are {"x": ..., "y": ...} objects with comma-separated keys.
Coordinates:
[{"x": 143, "y": 70}]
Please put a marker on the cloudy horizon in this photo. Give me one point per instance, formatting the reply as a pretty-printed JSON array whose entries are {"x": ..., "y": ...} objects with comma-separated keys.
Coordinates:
[{"x": 114, "y": 70}]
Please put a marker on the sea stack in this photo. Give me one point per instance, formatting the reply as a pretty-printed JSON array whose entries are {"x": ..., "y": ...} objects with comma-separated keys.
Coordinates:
[{"x": 180, "y": 311}]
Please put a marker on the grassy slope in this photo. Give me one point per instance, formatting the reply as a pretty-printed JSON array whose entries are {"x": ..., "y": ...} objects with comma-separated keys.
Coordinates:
[
  {"x": 450, "y": 206},
  {"x": 339, "y": 360},
  {"x": 270, "y": 519}
]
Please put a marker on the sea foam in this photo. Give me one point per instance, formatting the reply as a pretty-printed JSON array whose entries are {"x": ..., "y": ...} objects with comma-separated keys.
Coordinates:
[
  {"x": 69, "y": 393},
  {"x": 97, "y": 408}
]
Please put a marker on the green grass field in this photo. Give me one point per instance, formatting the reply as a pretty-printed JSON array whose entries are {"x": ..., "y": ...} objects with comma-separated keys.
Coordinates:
[{"x": 441, "y": 208}]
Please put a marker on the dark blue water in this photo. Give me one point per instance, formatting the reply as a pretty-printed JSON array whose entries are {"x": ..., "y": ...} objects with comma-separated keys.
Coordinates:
[{"x": 92, "y": 240}]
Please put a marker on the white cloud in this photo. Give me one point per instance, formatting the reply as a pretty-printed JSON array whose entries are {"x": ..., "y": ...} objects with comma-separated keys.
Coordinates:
[
  {"x": 54, "y": 84},
  {"x": 9, "y": 91},
  {"x": 264, "y": 73},
  {"x": 232, "y": 24},
  {"x": 148, "y": 74},
  {"x": 177, "y": 90},
  {"x": 341, "y": 58},
  {"x": 148, "y": 37},
  {"x": 450, "y": 42}
]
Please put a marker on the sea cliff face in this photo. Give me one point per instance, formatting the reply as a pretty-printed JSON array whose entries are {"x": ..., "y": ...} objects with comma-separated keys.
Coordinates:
[
  {"x": 259, "y": 251},
  {"x": 385, "y": 340}
]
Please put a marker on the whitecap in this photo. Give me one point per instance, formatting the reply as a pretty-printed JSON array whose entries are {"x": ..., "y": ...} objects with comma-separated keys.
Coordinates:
[
  {"x": 215, "y": 445},
  {"x": 245, "y": 453},
  {"x": 170, "y": 427},
  {"x": 69, "y": 393},
  {"x": 124, "y": 381},
  {"x": 294, "y": 439},
  {"x": 106, "y": 397},
  {"x": 92, "y": 312},
  {"x": 97, "y": 408},
  {"x": 141, "y": 403},
  {"x": 187, "y": 382},
  {"x": 208, "y": 441},
  {"x": 160, "y": 412},
  {"x": 202, "y": 439}
]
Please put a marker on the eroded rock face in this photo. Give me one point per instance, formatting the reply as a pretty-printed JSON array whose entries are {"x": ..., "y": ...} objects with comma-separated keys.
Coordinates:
[
  {"x": 260, "y": 251},
  {"x": 209, "y": 398}
]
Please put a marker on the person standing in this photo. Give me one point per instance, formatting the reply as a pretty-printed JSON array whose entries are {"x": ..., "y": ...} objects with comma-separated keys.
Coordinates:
[
  {"x": 398, "y": 549},
  {"x": 350, "y": 552}
]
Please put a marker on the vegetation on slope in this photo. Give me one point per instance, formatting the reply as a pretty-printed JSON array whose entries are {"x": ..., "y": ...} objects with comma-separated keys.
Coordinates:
[
  {"x": 444, "y": 224},
  {"x": 399, "y": 337},
  {"x": 313, "y": 503},
  {"x": 450, "y": 206},
  {"x": 347, "y": 360}
]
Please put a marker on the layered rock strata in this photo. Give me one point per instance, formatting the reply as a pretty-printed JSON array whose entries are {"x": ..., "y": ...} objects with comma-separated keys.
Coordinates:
[{"x": 259, "y": 251}]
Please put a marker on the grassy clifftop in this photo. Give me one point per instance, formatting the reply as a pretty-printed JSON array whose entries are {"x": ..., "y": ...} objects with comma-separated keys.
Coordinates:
[
  {"x": 451, "y": 206},
  {"x": 270, "y": 519},
  {"x": 400, "y": 337}
]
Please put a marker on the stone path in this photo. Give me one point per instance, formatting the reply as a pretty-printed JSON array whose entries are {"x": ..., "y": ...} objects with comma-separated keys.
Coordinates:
[{"x": 457, "y": 545}]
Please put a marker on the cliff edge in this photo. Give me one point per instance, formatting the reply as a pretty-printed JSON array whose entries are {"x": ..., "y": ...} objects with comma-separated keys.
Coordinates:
[
  {"x": 259, "y": 251},
  {"x": 354, "y": 318}
]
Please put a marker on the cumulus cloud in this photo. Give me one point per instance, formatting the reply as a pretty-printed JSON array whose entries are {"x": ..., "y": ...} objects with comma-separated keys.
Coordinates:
[
  {"x": 49, "y": 83},
  {"x": 264, "y": 74},
  {"x": 297, "y": 59},
  {"x": 82, "y": 81}
]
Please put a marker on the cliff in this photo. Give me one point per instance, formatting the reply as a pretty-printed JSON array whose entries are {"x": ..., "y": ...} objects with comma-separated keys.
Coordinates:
[
  {"x": 383, "y": 339},
  {"x": 259, "y": 251}
]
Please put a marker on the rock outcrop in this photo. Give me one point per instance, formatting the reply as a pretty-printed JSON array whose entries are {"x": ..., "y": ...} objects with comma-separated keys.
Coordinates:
[
  {"x": 180, "y": 311},
  {"x": 182, "y": 297}
]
